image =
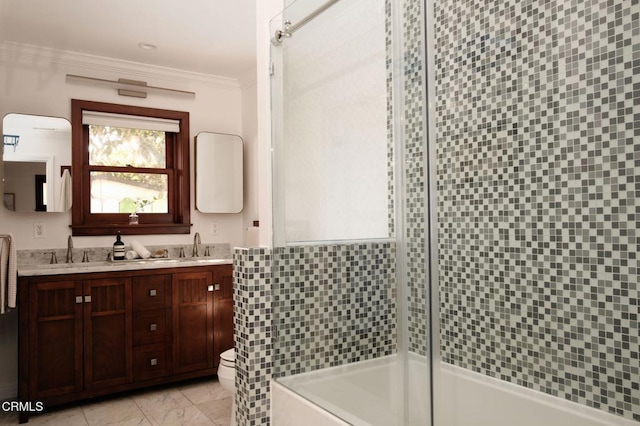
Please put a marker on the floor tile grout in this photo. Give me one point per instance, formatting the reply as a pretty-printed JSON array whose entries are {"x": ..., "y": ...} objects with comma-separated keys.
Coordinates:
[{"x": 211, "y": 389}]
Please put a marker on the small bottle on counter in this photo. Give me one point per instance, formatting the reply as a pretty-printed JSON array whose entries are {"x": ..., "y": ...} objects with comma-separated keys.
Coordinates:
[{"x": 118, "y": 248}]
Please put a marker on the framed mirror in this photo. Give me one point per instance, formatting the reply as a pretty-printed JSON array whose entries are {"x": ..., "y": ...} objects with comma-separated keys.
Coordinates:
[
  {"x": 219, "y": 173},
  {"x": 37, "y": 163}
]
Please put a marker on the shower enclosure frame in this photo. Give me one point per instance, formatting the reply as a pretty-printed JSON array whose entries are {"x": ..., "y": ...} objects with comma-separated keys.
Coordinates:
[{"x": 400, "y": 163}]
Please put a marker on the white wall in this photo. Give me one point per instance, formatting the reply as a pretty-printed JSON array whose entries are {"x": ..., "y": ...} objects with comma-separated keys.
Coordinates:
[
  {"x": 250, "y": 136},
  {"x": 33, "y": 81}
]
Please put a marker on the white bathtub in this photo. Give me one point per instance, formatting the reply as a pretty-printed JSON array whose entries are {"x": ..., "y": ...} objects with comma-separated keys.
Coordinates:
[
  {"x": 369, "y": 393},
  {"x": 360, "y": 394},
  {"x": 466, "y": 398}
]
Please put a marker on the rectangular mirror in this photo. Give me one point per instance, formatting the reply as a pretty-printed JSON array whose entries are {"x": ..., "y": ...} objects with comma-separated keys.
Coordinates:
[
  {"x": 37, "y": 150},
  {"x": 219, "y": 173}
]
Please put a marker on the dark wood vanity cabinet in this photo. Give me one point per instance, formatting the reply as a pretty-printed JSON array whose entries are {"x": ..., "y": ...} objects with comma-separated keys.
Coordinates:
[
  {"x": 222, "y": 312},
  {"x": 91, "y": 334},
  {"x": 52, "y": 329},
  {"x": 193, "y": 321},
  {"x": 197, "y": 343},
  {"x": 107, "y": 332},
  {"x": 152, "y": 325}
]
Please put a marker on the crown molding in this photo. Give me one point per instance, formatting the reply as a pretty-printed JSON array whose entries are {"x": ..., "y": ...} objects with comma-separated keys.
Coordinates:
[{"x": 42, "y": 56}]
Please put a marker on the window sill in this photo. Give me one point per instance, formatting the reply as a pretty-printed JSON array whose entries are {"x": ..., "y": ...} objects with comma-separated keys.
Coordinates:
[{"x": 126, "y": 229}]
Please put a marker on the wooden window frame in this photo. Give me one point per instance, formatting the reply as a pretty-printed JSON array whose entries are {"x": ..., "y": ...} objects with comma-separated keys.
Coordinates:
[{"x": 176, "y": 221}]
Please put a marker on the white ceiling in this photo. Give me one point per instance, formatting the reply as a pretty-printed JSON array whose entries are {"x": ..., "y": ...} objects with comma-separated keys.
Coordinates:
[{"x": 214, "y": 37}]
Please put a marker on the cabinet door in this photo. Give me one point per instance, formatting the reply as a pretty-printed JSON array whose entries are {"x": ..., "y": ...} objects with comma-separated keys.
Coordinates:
[
  {"x": 55, "y": 339},
  {"x": 151, "y": 292},
  {"x": 222, "y": 311},
  {"x": 192, "y": 321},
  {"x": 107, "y": 333}
]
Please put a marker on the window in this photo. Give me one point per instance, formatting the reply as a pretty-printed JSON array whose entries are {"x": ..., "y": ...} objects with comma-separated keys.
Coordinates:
[{"x": 129, "y": 159}]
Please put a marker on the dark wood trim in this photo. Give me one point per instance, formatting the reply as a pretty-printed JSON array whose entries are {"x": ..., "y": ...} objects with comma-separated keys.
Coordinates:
[
  {"x": 23, "y": 348},
  {"x": 178, "y": 218},
  {"x": 126, "y": 229}
]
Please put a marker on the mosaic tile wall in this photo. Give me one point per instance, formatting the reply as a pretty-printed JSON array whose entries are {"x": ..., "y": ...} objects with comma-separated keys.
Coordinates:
[
  {"x": 415, "y": 204},
  {"x": 336, "y": 304},
  {"x": 538, "y": 139},
  {"x": 252, "y": 316},
  {"x": 391, "y": 180},
  {"x": 309, "y": 306}
]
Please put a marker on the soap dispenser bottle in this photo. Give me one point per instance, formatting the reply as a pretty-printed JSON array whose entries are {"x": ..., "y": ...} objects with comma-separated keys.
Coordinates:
[{"x": 118, "y": 248}]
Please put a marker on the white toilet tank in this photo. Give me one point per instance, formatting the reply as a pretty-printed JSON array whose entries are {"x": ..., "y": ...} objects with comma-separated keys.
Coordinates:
[{"x": 227, "y": 370}]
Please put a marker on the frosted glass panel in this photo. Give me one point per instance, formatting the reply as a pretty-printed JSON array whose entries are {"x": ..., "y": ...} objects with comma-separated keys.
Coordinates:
[{"x": 332, "y": 147}]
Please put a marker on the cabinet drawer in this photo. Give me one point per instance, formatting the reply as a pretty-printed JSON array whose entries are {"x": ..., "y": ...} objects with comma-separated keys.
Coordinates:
[
  {"x": 151, "y": 292},
  {"x": 151, "y": 326},
  {"x": 150, "y": 361}
]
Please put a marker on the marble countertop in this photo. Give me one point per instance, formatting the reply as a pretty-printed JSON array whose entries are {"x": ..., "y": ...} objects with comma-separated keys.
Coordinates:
[{"x": 119, "y": 265}]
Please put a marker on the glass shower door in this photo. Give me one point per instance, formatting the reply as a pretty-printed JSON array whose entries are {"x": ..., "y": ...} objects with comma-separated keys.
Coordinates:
[{"x": 349, "y": 260}]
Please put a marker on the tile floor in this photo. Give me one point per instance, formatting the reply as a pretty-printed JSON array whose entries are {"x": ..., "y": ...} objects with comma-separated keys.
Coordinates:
[{"x": 195, "y": 403}]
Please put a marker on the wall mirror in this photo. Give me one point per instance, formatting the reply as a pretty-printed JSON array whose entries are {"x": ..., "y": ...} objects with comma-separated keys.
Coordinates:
[
  {"x": 219, "y": 173},
  {"x": 37, "y": 163}
]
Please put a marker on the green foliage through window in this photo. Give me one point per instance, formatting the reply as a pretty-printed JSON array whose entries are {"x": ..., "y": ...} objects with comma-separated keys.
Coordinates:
[
  {"x": 125, "y": 190},
  {"x": 121, "y": 147}
]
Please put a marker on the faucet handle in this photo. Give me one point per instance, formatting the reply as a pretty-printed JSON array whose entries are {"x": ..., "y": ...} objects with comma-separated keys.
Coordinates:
[
  {"x": 85, "y": 257},
  {"x": 181, "y": 252},
  {"x": 54, "y": 258},
  {"x": 206, "y": 251}
]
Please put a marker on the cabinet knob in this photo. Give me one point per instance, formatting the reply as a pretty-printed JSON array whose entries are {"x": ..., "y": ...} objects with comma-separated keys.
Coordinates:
[
  {"x": 152, "y": 292},
  {"x": 87, "y": 299},
  {"x": 78, "y": 299},
  {"x": 153, "y": 327},
  {"x": 154, "y": 361},
  {"x": 210, "y": 288}
]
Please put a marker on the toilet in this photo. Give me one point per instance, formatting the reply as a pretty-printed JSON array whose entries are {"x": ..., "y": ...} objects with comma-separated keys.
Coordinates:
[{"x": 227, "y": 377}]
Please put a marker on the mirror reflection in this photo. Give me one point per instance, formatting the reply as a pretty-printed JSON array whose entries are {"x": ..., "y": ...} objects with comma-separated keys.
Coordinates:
[
  {"x": 37, "y": 163},
  {"x": 219, "y": 175}
]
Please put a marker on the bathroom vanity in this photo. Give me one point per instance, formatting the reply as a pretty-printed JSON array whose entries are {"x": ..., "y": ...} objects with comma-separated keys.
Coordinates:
[{"x": 111, "y": 328}]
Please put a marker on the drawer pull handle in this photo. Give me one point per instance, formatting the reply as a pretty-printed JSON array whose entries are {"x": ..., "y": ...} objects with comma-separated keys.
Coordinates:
[
  {"x": 153, "y": 327},
  {"x": 78, "y": 299},
  {"x": 152, "y": 292},
  {"x": 87, "y": 299},
  {"x": 154, "y": 361},
  {"x": 210, "y": 288}
]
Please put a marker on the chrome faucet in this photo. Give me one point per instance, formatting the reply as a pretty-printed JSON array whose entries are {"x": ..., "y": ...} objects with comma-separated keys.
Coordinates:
[
  {"x": 196, "y": 241},
  {"x": 69, "y": 250}
]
